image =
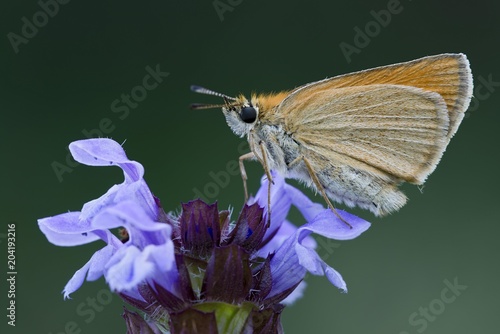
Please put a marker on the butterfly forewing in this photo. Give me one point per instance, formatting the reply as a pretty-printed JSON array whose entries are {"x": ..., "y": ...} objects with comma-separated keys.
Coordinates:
[
  {"x": 449, "y": 75},
  {"x": 398, "y": 130}
]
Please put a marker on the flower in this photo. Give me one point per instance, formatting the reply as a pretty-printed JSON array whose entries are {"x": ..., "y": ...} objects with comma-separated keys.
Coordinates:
[
  {"x": 293, "y": 247},
  {"x": 130, "y": 205},
  {"x": 198, "y": 269}
]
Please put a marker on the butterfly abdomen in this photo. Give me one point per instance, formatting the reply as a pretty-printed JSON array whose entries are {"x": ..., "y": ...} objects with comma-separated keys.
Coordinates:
[{"x": 344, "y": 184}]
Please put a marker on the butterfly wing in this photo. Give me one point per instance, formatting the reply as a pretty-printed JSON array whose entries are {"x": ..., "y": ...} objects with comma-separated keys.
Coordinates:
[
  {"x": 364, "y": 133},
  {"x": 362, "y": 141},
  {"x": 449, "y": 75}
]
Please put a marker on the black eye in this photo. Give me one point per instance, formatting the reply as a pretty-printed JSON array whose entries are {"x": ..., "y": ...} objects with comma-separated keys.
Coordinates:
[{"x": 248, "y": 114}]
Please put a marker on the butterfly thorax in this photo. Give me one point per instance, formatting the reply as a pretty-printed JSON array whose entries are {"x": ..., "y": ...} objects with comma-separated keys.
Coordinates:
[
  {"x": 243, "y": 115},
  {"x": 268, "y": 104}
]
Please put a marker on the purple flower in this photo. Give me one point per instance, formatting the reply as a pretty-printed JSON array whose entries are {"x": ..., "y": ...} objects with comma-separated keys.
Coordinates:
[
  {"x": 148, "y": 253},
  {"x": 199, "y": 268},
  {"x": 294, "y": 249}
]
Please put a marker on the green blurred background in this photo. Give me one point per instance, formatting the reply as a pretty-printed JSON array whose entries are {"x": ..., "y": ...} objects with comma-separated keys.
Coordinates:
[{"x": 63, "y": 80}]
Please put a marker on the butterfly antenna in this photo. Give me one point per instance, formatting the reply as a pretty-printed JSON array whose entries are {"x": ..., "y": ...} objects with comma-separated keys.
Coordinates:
[
  {"x": 202, "y": 90},
  {"x": 198, "y": 106}
]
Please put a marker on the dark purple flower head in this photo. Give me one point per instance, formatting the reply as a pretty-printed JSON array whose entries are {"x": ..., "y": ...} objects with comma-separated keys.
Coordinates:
[{"x": 200, "y": 268}]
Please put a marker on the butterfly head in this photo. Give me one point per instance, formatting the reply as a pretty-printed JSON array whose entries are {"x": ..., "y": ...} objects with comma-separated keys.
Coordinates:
[{"x": 241, "y": 114}]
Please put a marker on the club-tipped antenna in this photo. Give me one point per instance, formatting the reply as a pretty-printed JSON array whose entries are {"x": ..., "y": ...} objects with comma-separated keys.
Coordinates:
[{"x": 202, "y": 90}]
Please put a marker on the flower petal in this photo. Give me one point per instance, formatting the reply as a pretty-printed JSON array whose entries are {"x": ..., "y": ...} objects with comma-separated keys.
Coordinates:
[
  {"x": 94, "y": 268},
  {"x": 286, "y": 270},
  {"x": 99, "y": 261},
  {"x": 335, "y": 278},
  {"x": 311, "y": 261},
  {"x": 286, "y": 230},
  {"x": 327, "y": 224},
  {"x": 128, "y": 269},
  {"x": 307, "y": 208},
  {"x": 129, "y": 214},
  {"x": 130, "y": 266},
  {"x": 280, "y": 201},
  {"x": 76, "y": 281},
  {"x": 67, "y": 230},
  {"x": 295, "y": 255},
  {"x": 163, "y": 256},
  {"x": 107, "y": 152}
]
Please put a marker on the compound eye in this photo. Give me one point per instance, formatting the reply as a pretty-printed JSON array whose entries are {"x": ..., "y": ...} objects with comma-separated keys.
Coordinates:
[{"x": 248, "y": 114}]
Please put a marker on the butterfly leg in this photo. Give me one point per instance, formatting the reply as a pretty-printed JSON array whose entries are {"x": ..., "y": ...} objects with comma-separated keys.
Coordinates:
[
  {"x": 248, "y": 156},
  {"x": 319, "y": 186},
  {"x": 269, "y": 180},
  {"x": 264, "y": 162}
]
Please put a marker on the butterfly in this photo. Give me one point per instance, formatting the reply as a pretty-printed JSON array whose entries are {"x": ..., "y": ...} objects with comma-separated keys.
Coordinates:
[{"x": 355, "y": 138}]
